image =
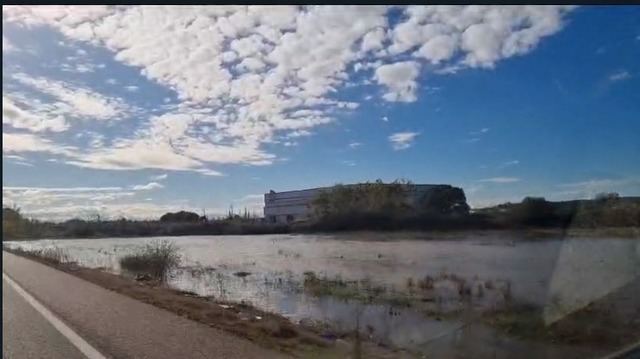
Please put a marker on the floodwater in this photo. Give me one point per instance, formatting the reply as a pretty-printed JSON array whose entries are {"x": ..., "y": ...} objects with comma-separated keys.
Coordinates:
[{"x": 555, "y": 274}]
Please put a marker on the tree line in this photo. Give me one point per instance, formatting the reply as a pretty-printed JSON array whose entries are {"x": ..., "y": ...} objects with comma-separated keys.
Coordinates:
[{"x": 398, "y": 205}]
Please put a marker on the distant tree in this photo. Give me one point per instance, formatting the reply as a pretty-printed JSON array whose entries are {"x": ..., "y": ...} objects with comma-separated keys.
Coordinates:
[
  {"x": 388, "y": 200},
  {"x": 533, "y": 211},
  {"x": 181, "y": 217},
  {"x": 11, "y": 214},
  {"x": 368, "y": 197},
  {"x": 12, "y": 223},
  {"x": 445, "y": 200},
  {"x": 607, "y": 196}
]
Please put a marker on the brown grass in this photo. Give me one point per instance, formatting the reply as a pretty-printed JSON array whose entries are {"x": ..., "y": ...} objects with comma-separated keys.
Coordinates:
[{"x": 155, "y": 259}]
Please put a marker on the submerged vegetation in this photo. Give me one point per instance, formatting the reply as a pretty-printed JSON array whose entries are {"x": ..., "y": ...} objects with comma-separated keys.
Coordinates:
[
  {"x": 266, "y": 328},
  {"x": 423, "y": 296},
  {"x": 156, "y": 260},
  {"x": 443, "y": 294}
]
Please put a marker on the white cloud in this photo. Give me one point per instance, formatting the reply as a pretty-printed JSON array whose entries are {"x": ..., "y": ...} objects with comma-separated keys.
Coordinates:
[
  {"x": 97, "y": 139},
  {"x": 147, "y": 187},
  {"x": 476, "y": 135},
  {"x": 482, "y": 35},
  {"x": 22, "y": 163},
  {"x": 7, "y": 46},
  {"x": 479, "y": 132},
  {"x": 14, "y": 157},
  {"x": 74, "y": 100},
  {"x": 348, "y": 163},
  {"x": 60, "y": 189},
  {"x": 402, "y": 140},
  {"x": 253, "y": 75},
  {"x": 590, "y": 188},
  {"x": 439, "y": 48},
  {"x": 62, "y": 203},
  {"x": 18, "y": 160},
  {"x": 160, "y": 177},
  {"x": 400, "y": 80},
  {"x": 500, "y": 180},
  {"x": 355, "y": 145},
  {"x": 253, "y": 203},
  {"x": 619, "y": 76},
  {"x": 373, "y": 40},
  {"x": 208, "y": 172},
  {"x": 131, "y": 88},
  {"x": 229, "y": 56},
  {"x": 385, "y": 118},
  {"x": 251, "y": 64},
  {"x": 19, "y": 117},
  {"x": 509, "y": 163},
  {"x": 24, "y": 142},
  {"x": 253, "y": 197},
  {"x": 80, "y": 68},
  {"x": 246, "y": 110},
  {"x": 167, "y": 144}
]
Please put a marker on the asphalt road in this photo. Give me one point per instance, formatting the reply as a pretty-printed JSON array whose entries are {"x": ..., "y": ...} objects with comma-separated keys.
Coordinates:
[
  {"x": 115, "y": 325},
  {"x": 27, "y": 334}
]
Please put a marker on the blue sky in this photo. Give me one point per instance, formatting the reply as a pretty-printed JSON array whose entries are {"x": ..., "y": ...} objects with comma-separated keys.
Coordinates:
[{"x": 137, "y": 111}]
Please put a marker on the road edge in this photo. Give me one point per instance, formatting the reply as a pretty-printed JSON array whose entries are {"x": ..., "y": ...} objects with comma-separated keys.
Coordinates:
[{"x": 74, "y": 338}]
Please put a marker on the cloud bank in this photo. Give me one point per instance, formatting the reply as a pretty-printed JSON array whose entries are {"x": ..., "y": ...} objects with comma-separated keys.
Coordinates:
[{"x": 250, "y": 76}]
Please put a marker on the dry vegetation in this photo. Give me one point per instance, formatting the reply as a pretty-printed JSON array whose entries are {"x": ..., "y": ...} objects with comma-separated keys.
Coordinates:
[{"x": 156, "y": 260}]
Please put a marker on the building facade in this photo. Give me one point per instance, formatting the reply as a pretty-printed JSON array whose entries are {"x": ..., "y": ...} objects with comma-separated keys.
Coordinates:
[
  {"x": 290, "y": 206},
  {"x": 296, "y": 206}
]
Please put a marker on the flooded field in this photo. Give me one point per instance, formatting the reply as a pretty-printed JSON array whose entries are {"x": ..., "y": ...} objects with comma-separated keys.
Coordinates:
[{"x": 417, "y": 291}]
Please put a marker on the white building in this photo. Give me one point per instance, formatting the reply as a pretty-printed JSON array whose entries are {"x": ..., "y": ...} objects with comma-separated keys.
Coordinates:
[
  {"x": 295, "y": 206},
  {"x": 290, "y": 206}
]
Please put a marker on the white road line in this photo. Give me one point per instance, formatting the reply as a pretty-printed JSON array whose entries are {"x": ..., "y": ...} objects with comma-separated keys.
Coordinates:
[{"x": 84, "y": 347}]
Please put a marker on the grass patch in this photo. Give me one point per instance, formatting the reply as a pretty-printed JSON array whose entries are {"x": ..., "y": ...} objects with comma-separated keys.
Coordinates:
[
  {"x": 156, "y": 259},
  {"x": 521, "y": 321},
  {"x": 361, "y": 291},
  {"x": 51, "y": 255}
]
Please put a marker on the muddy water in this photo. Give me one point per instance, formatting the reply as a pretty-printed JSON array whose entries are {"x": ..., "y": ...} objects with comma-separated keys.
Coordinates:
[{"x": 558, "y": 275}]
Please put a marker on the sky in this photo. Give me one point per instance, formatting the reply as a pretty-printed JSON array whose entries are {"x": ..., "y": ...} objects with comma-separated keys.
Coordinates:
[{"x": 135, "y": 111}]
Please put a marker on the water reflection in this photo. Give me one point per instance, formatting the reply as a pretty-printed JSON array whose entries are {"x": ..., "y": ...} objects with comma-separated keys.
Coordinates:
[
  {"x": 586, "y": 271},
  {"x": 418, "y": 283}
]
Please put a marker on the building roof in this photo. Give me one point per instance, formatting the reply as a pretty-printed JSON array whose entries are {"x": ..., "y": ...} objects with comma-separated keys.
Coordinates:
[{"x": 351, "y": 184}]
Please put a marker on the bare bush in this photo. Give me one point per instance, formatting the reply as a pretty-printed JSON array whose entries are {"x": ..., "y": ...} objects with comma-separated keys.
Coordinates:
[{"x": 156, "y": 259}]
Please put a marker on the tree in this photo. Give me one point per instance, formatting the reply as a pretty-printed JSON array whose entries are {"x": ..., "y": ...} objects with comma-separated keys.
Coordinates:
[
  {"x": 534, "y": 211},
  {"x": 11, "y": 214},
  {"x": 179, "y": 217},
  {"x": 12, "y": 223},
  {"x": 445, "y": 200},
  {"x": 604, "y": 196},
  {"x": 376, "y": 197}
]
